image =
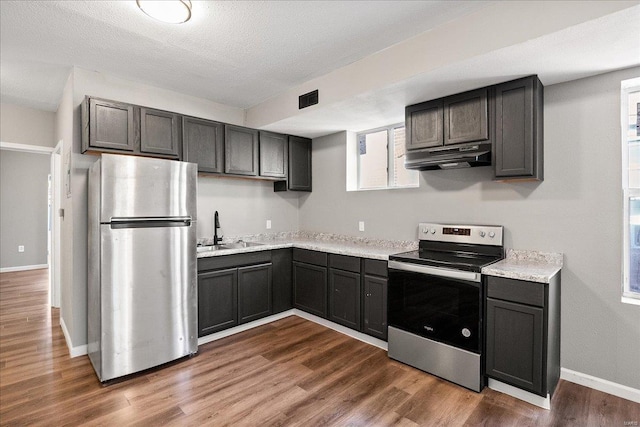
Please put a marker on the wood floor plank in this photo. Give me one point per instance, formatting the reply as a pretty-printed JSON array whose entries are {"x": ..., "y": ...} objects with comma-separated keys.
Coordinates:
[{"x": 291, "y": 372}]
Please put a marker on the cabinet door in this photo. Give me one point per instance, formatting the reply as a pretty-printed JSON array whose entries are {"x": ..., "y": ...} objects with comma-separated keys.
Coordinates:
[
  {"x": 112, "y": 125},
  {"x": 518, "y": 147},
  {"x": 344, "y": 298},
  {"x": 274, "y": 155},
  {"x": 281, "y": 280},
  {"x": 241, "y": 150},
  {"x": 254, "y": 292},
  {"x": 160, "y": 133},
  {"x": 202, "y": 143},
  {"x": 515, "y": 335},
  {"x": 217, "y": 301},
  {"x": 299, "y": 163},
  {"x": 466, "y": 117},
  {"x": 375, "y": 307},
  {"x": 310, "y": 288},
  {"x": 423, "y": 125}
]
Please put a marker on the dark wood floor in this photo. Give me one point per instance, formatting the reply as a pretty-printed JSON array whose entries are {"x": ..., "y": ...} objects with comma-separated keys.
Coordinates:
[{"x": 290, "y": 372}]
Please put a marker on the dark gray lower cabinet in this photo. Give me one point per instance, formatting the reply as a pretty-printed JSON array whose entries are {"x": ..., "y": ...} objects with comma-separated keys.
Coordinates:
[
  {"x": 254, "y": 292},
  {"x": 282, "y": 281},
  {"x": 310, "y": 288},
  {"x": 375, "y": 306},
  {"x": 217, "y": 301},
  {"x": 232, "y": 290},
  {"x": 344, "y": 298},
  {"x": 515, "y": 351},
  {"x": 523, "y": 333}
]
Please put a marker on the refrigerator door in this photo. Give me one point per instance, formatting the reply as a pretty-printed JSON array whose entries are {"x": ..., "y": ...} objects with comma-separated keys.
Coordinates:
[
  {"x": 143, "y": 187},
  {"x": 148, "y": 295}
]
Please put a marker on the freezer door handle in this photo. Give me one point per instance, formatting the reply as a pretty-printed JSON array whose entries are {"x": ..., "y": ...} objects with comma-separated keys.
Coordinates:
[{"x": 145, "y": 222}]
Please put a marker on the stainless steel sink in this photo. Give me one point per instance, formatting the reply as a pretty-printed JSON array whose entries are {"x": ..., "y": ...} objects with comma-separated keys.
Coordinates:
[{"x": 234, "y": 245}]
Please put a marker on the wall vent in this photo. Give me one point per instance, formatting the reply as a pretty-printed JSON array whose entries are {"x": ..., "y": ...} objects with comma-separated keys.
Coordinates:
[{"x": 308, "y": 99}]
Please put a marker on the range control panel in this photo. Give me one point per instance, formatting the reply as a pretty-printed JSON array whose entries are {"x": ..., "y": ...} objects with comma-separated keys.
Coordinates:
[{"x": 472, "y": 234}]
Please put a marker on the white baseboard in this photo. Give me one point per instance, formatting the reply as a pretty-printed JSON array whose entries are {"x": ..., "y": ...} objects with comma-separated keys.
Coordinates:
[
  {"x": 237, "y": 329},
  {"x": 534, "y": 399},
  {"x": 342, "y": 329},
  {"x": 80, "y": 350},
  {"x": 605, "y": 386},
  {"x": 23, "y": 268}
]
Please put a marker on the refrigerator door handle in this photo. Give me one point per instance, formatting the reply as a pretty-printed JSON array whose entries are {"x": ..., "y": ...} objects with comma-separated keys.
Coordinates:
[{"x": 145, "y": 222}]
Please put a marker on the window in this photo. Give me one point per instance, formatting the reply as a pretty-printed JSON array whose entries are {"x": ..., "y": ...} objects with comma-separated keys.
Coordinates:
[
  {"x": 630, "y": 96},
  {"x": 381, "y": 160}
]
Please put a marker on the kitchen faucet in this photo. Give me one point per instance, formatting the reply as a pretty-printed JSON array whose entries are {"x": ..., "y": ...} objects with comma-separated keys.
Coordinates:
[{"x": 216, "y": 225}]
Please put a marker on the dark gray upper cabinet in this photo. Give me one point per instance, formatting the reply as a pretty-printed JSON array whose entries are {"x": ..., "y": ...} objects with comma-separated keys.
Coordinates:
[
  {"x": 466, "y": 117},
  {"x": 203, "y": 142},
  {"x": 254, "y": 292},
  {"x": 299, "y": 164},
  {"x": 109, "y": 125},
  {"x": 217, "y": 301},
  {"x": 274, "y": 155},
  {"x": 424, "y": 125},
  {"x": 518, "y": 152},
  {"x": 523, "y": 333},
  {"x": 160, "y": 133},
  {"x": 456, "y": 119},
  {"x": 241, "y": 150}
]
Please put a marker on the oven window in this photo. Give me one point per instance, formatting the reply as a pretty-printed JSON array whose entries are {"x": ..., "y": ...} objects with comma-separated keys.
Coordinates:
[{"x": 441, "y": 309}]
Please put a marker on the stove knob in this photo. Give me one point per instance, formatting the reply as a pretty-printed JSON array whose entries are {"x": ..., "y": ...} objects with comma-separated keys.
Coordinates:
[
  {"x": 466, "y": 332},
  {"x": 482, "y": 234},
  {"x": 433, "y": 231},
  {"x": 492, "y": 234}
]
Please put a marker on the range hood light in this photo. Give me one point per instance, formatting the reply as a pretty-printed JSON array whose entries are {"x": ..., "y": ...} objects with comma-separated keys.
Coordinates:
[{"x": 169, "y": 11}]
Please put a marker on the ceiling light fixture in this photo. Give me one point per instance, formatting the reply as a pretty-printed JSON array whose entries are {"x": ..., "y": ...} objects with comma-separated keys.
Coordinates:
[{"x": 169, "y": 11}]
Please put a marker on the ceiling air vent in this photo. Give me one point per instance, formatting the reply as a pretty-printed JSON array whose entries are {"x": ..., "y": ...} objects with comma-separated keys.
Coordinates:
[{"x": 308, "y": 99}]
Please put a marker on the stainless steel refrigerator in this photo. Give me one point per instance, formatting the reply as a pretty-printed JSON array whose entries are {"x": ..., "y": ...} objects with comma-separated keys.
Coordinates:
[{"x": 142, "y": 290}]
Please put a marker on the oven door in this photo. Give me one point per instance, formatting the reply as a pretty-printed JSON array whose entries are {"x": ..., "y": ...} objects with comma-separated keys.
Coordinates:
[{"x": 436, "y": 303}]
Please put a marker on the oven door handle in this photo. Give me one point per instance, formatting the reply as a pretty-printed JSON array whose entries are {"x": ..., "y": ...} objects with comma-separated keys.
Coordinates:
[{"x": 434, "y": 271}]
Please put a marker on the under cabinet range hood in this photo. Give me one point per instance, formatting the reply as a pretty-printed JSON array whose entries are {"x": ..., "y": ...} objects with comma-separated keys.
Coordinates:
[{"x": 460, "y": 156}]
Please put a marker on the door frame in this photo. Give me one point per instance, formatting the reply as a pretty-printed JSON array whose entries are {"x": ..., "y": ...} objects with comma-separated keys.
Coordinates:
[{"x": 55, "y": 229}]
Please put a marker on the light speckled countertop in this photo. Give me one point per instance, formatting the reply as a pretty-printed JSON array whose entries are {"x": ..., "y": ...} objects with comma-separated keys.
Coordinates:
[
  {"x": 324, "y": 242},
  {"x": 526, "y": 265}
]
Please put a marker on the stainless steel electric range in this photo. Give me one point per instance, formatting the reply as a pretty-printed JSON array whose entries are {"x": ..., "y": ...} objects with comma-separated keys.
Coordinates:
[{"x": 435, "y": 301}]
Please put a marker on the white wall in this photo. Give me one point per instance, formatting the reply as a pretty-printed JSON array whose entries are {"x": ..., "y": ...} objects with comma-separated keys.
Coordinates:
[
  {"x": 243, "y": 204},
  {"x": 22, "y": 125},
  {"x": 244, "y": 207},
  {"x": 577, "y": 210}
]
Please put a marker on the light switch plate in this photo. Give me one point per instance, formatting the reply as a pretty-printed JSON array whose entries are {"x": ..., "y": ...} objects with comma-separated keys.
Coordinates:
[
  {"x": 268, "y": 224},
  {"x": 21, "y": 248},
  {"x": 361, "y": 225}
]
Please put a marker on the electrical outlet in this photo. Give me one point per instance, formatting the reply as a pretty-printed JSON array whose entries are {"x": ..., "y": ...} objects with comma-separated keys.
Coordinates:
[
  {"x": 21, "y": 248},
  {"x": 361, "y": 225},
  {"x": 268, "y": 224}
]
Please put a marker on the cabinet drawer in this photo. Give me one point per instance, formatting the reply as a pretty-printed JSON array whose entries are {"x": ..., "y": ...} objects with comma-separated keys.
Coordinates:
[
  {"x": 344, "y": 262},
  {"x": 310, "y": 257},
  {"x": 375, "y": 267},
  {"x": 235, "y": 260},
  {"x": 531, "y": 293}
]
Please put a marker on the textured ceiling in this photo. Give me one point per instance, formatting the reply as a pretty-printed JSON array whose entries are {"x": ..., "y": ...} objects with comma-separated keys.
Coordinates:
[{"x": 238, "y": 53}]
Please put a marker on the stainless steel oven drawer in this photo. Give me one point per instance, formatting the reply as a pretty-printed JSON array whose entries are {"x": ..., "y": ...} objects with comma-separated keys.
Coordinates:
[{"x": 451, "y": 363}]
